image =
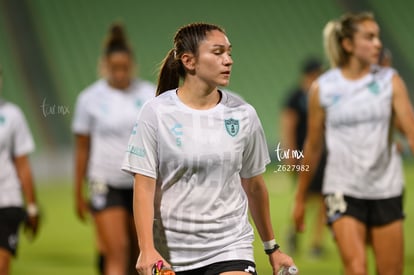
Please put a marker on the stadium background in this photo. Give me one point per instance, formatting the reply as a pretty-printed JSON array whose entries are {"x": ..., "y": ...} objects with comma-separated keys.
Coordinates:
[{"x": 49, "y": 52}]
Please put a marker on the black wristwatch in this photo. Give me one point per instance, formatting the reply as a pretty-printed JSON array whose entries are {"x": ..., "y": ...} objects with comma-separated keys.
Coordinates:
[{"x": 271, "y": 250}]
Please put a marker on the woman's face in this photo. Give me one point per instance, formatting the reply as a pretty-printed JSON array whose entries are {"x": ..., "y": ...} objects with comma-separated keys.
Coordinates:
[
  {"x": 366, "y": 44},
  {"x": 214, "y": 62},
  {"x": 119, "y": 67}
]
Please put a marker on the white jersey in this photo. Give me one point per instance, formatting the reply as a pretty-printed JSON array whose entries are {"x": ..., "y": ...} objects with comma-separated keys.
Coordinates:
[
  {"x": 107, "y": 115},
  {"x": 197, "y": 158},
  {"x": 15, "y": 141},
  {"x": 363, "y": 161}
]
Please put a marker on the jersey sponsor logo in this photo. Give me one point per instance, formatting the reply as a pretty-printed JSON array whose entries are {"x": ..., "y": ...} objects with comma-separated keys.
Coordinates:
[
  {"x": 134, "y": 150},
  {"x": 232, "y": 126},
  {"x": 177, "y": 131}
]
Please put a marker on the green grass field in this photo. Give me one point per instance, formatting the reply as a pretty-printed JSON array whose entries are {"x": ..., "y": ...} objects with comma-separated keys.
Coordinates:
[{"x": 66, "y": 247}]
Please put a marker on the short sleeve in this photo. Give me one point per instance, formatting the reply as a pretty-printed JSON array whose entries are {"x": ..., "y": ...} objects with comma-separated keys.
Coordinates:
[
  {"x": 82, "y": 119},
  {"x": 23, "y": 143},
  {"x": 256, "y": 154},
  {"x": 141, "y": 155}
]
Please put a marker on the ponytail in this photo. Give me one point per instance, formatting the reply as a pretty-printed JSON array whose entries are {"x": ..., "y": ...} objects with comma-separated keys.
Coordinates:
[
  {"x": 336, "y": 31},
  {"x": 170, "y": 72},
  {"x": 116, "y": 40},
  {"x": 332, "y": 44}
]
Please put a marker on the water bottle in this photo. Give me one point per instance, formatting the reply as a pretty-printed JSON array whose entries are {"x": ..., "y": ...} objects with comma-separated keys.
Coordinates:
[
  {"x": 291, "y": 270},
  {"x": 160, "y": 269}
]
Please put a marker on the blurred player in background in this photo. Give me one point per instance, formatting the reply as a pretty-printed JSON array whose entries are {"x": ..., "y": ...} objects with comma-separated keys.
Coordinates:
[
  {"x": 294, "y": 125},
  {"x": 16, "y": 143},
  {"x": 353, "y": 105},
  {"x": 105, "y": 114},
  {"x": 198, "y": 154}
]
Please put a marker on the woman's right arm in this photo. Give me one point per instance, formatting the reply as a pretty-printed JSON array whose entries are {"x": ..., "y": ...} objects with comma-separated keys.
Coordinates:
[
  {"x": 144, "y": 193},
  {"x": 82, "y": 149},
  {"x": 312, "y": 153}
]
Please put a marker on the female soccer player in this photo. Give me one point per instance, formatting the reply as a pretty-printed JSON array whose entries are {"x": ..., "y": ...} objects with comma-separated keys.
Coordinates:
[
  {"x": 105, "y": 114},
  {"x": 197, "y": 155},
  {"x": 16, "y": 143},
  {"x": 353, "y": 105}
]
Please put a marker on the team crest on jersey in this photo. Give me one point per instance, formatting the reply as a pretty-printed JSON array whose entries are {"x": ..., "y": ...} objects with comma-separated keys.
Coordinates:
[
  {"x": 2, "y": 119},
  {"x": 335, "y": 99},
  {"x": 373, "y": 87},
  {"x": 138, "y": 103},
  {"x": 232, "y": 126}
]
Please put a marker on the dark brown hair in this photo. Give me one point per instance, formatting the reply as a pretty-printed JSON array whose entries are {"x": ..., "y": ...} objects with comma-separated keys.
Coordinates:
[
  {"x": 186, "y": 40},
  {"x": 116, "y": 41}
]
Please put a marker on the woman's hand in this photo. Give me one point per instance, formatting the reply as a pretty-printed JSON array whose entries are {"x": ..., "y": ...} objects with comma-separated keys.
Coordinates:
[
  {"x": 298, "y": 215},
  {"x": 147, "y": 260},
  {"x": 278, "y": 260},
  {"x": 32, "y": 222},
  {"x": 82, "y": 207}
]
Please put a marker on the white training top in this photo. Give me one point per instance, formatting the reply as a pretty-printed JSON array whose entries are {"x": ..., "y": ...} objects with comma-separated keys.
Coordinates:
[
  {"x": 363, "y": 161},
  {"x": 15, "y": 141},
  {"x": 107, "y": 115},
  {"x": 197, "y": 158}
]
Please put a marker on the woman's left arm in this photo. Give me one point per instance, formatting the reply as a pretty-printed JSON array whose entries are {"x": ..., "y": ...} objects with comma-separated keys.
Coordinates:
[
  {"x": 258, "y": 198},
  {"x": 403, "y": 109}
]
